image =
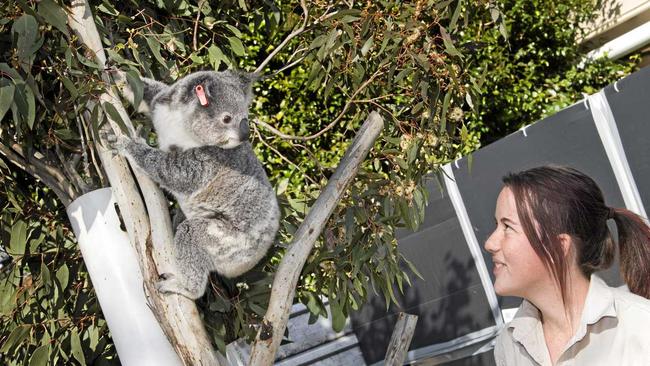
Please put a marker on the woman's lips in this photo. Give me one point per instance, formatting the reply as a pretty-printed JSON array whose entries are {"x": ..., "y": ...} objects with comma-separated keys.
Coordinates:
[{"x": 498, "y": 267}]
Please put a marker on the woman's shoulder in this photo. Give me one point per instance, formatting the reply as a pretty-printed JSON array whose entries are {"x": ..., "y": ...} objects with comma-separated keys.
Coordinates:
[{"x": 631, "y": 307}]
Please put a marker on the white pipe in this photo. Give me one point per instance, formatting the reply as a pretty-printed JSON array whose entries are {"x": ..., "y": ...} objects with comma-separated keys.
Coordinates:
[
  {"x": 621, "y": 46},
  {"x": 115, "y": 274},
  {"x": 608, "y": 132}
]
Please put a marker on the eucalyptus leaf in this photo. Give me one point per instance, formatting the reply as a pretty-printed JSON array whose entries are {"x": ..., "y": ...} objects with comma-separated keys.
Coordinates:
[
  {"x": 338, "y": 317},
  {"x": 236, "y": 46},
  {"x": 17, "y": 336},
  {"x": 115, "y": 116},
  {"x": 18, "y": 240},
  {"x": 26, "y": 31},
  {"x": 40, "y": 356},
  {"x": 7, "y": 89},
  {"x": 75, "y": 346},
  {"x": 53, "y": 14},
  {"x": 136, "y": 85},
  {"x": 449, "y": 45},
  {"x": 63, "y": 275}
]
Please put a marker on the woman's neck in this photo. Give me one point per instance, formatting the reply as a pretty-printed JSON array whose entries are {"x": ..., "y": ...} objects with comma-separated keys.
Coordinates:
[{"x": 559, "y": 316}]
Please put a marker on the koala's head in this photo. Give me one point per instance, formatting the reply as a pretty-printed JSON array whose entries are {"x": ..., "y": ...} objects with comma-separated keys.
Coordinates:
[{"x": 203, "y": 108}]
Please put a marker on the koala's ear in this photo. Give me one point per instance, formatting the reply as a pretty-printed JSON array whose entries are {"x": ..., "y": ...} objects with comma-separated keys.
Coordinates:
[
  {"x": 150, "y": 89},
  {"x": 245, "y": 79}
]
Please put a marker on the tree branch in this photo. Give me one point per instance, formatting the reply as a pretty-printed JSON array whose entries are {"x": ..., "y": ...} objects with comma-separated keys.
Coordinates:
[
  {"x": 400, "y": 340},
  {"x": 61, "y": 188},
  {"x": 286, "y": 278},
  {"x": 151, "y": 236},
  {"x": 196, "y": 24}
]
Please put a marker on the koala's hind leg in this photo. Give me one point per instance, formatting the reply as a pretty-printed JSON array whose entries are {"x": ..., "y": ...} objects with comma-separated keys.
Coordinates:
[{"x": 192, "y": 262}]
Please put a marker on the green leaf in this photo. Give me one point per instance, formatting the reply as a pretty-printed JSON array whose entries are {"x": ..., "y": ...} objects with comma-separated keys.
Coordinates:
[
  {"x": 40, "y": 357},
  {"x": 282, "y": 186},
  {"x": 17, "y": 336},
  {"x": 25, "y": 103},
  {"x": 18, "y": 238},
  {"x": 366, "y": 46},
  {"x": 115, "y": 116},
  {"x": 137, "y": 87},
  {"x": 26, "y": 31},
  {"x": 70, "y": 86},
  {"x": 75, "y": 345},
  {"x": 96, "y": 119},
  {"x": 63, "y": 275},
  {"x": 31, "y": 107},
  {"x": 236, "y": 46},
  {"x": 445, "y": 107},
  {"x": 234, "y": 30},
  {"x": 454, "y": 18},
  {"x": 449, "y": 45},
  {"x": 257, "y": 309},
  {"x": 7, "y": 89},
  {"x": 412, "y": 268},
  {"x": 107, "y": 8},
  {"x": 338, "y": 318},
  {"x": 54, "y": 15},
  {"x": 155, "y": 49},
  {"x": 45, "y": 274},
  {"x": 216, "y": 56}
]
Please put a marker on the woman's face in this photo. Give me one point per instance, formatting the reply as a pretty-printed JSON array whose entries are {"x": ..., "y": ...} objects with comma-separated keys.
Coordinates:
[{"x": 517, "y": 269}]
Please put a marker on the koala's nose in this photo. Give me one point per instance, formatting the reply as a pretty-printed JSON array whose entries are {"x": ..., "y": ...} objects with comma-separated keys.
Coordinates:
[{"x": 244, "y": 129}]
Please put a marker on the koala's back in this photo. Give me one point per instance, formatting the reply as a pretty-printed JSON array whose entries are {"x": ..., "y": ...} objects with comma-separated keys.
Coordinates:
[{"x": 240, "y": 205}]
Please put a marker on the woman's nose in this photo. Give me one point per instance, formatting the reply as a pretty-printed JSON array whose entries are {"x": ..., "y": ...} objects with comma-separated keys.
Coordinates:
[{"x": 491, "y": 243}]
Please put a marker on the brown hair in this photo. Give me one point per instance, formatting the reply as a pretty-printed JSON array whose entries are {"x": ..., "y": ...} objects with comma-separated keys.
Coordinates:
[{"x": 553, "y": 200}]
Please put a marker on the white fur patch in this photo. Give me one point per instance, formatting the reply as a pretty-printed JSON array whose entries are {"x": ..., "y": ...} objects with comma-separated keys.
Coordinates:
[{"x": 170, "y": 128}]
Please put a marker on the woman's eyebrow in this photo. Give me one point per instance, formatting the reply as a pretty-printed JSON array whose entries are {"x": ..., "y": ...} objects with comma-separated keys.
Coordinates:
[{"x": 504, "y": 219}]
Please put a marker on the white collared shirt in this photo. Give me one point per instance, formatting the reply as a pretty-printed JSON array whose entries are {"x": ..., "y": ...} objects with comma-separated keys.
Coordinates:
[{"x": 614, "y": 330}]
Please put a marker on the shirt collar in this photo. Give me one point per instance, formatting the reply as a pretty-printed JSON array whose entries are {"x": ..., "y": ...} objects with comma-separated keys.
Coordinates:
[
  {"x": 527, "y": 327},
  {"x": 598, "y": 304}
]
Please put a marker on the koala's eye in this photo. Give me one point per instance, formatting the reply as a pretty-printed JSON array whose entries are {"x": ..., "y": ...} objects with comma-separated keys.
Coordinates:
[{"x": 227, "y": 119}]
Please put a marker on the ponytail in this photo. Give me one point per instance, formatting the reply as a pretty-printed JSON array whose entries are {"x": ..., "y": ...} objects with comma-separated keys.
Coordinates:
[{"x": 634, "y": 244}]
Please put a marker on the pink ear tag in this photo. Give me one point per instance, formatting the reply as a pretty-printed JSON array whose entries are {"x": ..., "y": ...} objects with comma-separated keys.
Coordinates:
[{"x": 200, "y": 92}]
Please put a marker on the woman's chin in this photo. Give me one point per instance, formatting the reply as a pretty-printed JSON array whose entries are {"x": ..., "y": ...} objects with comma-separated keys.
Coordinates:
[{"x": 503, "y": 289}]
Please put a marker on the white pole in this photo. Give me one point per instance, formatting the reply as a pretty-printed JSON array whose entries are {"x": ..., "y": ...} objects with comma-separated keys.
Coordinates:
[
  {"x": 621, "y": 46},
  {"x": 116, "y": 278}
]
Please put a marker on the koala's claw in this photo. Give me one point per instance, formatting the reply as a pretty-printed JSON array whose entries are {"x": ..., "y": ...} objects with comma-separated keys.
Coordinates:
[
  {"x": 166, "y": 276},
  {"x": 171, "y": 286}
]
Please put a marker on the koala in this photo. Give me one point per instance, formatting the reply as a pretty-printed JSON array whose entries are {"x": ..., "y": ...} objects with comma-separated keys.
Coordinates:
[{"x": 230, "y": 213}]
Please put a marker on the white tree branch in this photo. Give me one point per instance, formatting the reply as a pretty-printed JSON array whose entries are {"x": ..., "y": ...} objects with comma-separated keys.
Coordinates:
[
  {"x": 152, "y": 235},
  {"x": 286, "y": 278}
]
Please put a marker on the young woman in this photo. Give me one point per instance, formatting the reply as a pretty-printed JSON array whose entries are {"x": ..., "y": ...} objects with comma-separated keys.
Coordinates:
[{"x": 551, "y": 236}]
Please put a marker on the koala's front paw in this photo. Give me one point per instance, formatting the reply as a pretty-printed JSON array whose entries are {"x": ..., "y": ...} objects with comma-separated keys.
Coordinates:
[
  {"x": 119, "y": 77},
  {"x": 168, "y": 284},
  {"x": 117, "y": 143}
]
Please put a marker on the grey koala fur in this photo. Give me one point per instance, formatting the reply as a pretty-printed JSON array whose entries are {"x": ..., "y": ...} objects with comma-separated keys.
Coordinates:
[{"x": 230, "y": 211}]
